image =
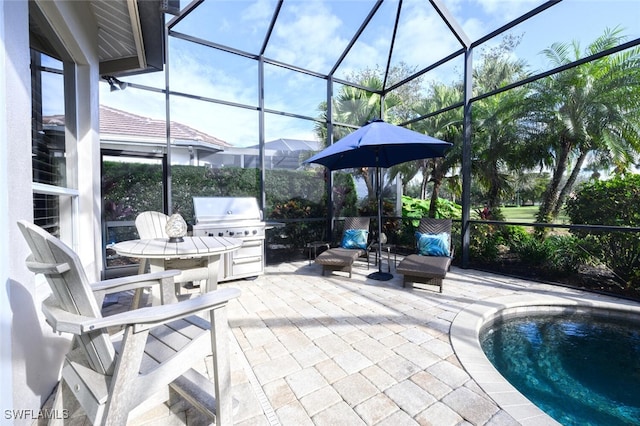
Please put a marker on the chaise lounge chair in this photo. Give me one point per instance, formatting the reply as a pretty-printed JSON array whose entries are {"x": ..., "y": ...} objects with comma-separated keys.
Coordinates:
[
  {"x": 435, "y": 252},
  {"x": 354, "y": 244}
]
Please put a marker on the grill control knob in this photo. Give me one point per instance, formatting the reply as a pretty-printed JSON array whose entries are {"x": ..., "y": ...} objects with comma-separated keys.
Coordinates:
[
  {"x": 246, "y": 232},
  {"x": 220, "y": 234},
  {"x": 231, "y": 233},
  {"x": 255, "y": 231}
]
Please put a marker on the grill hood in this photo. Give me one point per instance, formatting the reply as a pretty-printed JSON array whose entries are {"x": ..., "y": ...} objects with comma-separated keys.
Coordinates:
[{"x": 226, "y": 209}]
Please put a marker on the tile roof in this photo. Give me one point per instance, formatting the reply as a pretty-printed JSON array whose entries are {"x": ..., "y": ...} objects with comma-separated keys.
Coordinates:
[
  {"x": 289, "y": 145},
  {"x": 117, "y": 122}
]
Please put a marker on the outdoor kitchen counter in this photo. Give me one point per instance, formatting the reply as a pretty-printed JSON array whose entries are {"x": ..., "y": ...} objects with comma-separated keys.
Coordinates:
[{"x": 159, "y": 250}]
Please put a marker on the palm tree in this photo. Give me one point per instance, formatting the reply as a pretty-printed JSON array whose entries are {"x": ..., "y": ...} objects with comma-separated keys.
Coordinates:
[
  {"x": 445, "y": 126},
  {"x": 357, "y": 106},
  {"x": 498, "y": 123},
  {"x": 587, "y": 111}
]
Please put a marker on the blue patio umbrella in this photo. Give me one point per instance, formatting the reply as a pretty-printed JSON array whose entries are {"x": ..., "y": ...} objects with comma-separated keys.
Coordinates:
[{"x": 381, "y": 145}]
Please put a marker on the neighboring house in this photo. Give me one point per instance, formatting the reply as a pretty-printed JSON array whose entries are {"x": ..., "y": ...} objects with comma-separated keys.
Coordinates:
[
  {"x": 278, "y": 154},
  {"x": 120, "y": 130},
  {"x": 289, "y": 153}
]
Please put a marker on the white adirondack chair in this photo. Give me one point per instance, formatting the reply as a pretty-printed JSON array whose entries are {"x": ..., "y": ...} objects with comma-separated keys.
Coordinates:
[
  {"x": 113, "y": 376},
  {"x": 151, "y": 224}
]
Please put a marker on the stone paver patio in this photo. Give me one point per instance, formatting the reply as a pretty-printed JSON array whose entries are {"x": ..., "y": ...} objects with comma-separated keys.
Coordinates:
[{"x": 313, "y": 350}]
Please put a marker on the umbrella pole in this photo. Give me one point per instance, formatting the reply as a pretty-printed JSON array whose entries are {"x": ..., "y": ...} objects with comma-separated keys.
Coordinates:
[{"x": 379, "y": 276}]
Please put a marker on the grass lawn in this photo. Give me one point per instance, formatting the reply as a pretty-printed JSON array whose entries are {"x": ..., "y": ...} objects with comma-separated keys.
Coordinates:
[{"x": 526, "y": 214}]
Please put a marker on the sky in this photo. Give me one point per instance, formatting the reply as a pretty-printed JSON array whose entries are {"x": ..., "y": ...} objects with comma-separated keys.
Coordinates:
[{"x": 312, "y": 34}]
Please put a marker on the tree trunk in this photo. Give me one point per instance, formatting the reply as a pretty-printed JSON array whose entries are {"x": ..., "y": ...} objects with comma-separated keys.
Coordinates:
[
  {"x": 437, "y": 177},
  {"x": 568, "y": 186},
  {"x": 425, "y": 182},
  {"x": 551, "y": 195},
  {"x": 433, "y": 205},
  {"x": 366, "y": 175},
  {"x": 493, "y": 194}
]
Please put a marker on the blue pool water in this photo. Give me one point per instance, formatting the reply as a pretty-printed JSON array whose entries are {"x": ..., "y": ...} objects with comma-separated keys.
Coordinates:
[{"x": 580, "y": 369}]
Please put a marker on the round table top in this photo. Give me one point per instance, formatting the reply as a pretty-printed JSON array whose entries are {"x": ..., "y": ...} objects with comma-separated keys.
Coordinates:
[{"x": 190, "y": 247}]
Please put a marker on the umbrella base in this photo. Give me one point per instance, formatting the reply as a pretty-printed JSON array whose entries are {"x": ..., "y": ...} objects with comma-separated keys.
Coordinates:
[{"x": 380, "y": 276}]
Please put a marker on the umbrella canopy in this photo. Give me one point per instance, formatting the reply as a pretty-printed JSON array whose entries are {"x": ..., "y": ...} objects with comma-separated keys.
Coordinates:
[{"x": 379, "y": 144}]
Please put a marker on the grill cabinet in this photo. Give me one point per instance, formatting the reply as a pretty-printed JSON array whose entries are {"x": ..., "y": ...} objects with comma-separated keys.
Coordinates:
[{"x": 237, "y": 217}]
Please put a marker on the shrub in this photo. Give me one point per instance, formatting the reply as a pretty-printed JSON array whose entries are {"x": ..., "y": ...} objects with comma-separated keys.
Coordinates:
[
  {"x": 296, "y": 234},
  {"x": 515, "y": 234},
  {"x": 614, "y": 203},
  {"x": 130, "y": 188},
  {"x": 416, "y": 208},
  {"x": 486, "y": 242},
  {"x": 345, "y": 196},
  {"x": 567, "y": 253},
  {"x": 532, "y": 250},
  {"x": 561, "y": 253}
]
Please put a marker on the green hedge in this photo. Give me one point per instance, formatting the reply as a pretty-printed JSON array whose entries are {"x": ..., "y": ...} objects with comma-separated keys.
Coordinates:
[{"x": 131, "y": 188}]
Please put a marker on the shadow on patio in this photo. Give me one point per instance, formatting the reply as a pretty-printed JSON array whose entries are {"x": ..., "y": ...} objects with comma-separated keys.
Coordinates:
[{"x": 308, "y": 350}]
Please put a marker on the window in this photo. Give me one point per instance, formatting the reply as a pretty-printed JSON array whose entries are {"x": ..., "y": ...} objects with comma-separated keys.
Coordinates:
[{"x": 54, "y": 202}]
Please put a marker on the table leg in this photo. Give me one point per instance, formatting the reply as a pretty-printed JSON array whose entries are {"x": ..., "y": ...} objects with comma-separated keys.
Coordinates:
[
  {"x": 388, "y": 260},
  {"x": 213, "y": 265},
  {"x": 166, "y": 294}
]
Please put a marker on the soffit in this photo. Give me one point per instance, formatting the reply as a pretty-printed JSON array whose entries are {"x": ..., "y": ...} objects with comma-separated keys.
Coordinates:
[{"x": 130, "y": 35}]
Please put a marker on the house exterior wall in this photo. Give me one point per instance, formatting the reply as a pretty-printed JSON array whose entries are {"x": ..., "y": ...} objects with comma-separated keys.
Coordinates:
[
  {"x": 31, "y": 355},
  {"x": 16, "y": 202}
]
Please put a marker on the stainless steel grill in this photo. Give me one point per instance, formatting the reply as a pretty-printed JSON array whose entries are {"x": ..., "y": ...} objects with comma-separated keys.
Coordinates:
[{"x": 237, "y": 217}]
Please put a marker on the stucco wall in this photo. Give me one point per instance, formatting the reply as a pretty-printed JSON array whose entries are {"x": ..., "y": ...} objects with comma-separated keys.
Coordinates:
[
  {"x": 31, "y": 353},
  {"x": 19, "y": 386}
]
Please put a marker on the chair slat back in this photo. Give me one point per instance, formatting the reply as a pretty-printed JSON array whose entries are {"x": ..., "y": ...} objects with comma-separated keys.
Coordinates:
[
  {"x": 71, "y": 289},
  {"x": 430, "y": 225},
  {"x": 356, "y": 223},
  {"x": 151, "y": 224}
]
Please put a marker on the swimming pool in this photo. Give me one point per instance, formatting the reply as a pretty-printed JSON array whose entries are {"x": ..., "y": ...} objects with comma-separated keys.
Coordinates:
[
  {"x": 466, "y": 329},
  {"x": 581, "y": 368}
]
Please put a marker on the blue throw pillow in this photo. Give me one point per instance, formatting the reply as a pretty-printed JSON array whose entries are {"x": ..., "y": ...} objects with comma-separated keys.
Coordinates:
[
  {"x": 355, "y": 239},
  {"x": 433, "y": 244}
]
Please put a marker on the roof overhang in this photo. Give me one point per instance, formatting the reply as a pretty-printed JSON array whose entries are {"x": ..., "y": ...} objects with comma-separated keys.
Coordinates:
[{"x": 130, "y": 36}]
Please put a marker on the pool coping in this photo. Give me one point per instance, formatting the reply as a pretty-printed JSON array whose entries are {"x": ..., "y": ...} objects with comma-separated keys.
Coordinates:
[{"x": 465, "y": 333}]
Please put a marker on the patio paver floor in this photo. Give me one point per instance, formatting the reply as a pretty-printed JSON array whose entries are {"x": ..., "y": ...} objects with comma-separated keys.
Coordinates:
[{"x": 314, "y": 350}]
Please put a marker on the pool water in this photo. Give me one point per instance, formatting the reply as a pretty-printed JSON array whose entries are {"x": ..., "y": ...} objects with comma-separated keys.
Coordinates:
[{"x": 580, "y": 369}]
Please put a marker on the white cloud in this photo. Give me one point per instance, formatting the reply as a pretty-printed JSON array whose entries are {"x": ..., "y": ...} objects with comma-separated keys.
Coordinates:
[
  {"x": 507, "y": 9},
  {"x": 474, "y": 28},
  {"x": 306, "y": 34},
  {"x": 258, "y": 11},
  {"x": 424, "y": 38}
]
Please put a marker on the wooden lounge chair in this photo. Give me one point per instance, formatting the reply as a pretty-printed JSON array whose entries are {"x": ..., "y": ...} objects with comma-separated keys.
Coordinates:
[
  {"x": 424, "y": 269},
  {"x": 117, "y": 377},
  {"x": 340, "y": 258}
]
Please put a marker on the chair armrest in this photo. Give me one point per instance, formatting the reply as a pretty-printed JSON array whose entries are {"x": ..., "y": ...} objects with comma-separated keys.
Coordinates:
[
  {"x": 133, "y": 282},
  {"x": 141, "y": 319}
]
